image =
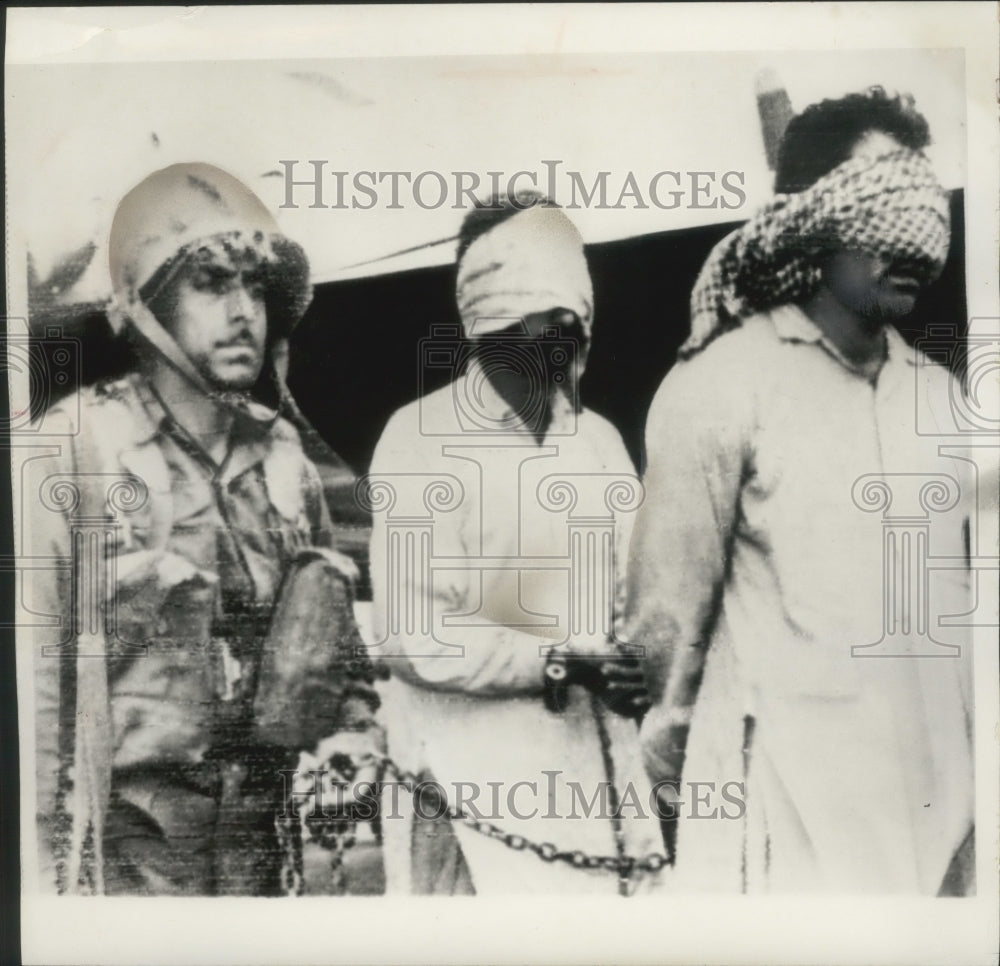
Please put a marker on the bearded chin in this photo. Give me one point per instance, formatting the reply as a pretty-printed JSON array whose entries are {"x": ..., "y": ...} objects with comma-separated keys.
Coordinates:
[
  {"x": 237, "y": 386},
  {"x": 873, "y": 316},
  {"x": 231, "y": 397}
]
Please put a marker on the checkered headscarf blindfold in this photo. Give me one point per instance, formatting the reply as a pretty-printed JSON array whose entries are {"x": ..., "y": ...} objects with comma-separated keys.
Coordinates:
[{"x": 892, "y": 207}]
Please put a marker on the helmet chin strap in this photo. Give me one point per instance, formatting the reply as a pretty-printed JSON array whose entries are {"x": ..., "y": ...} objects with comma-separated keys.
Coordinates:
[{"x": 152, "y": 332}]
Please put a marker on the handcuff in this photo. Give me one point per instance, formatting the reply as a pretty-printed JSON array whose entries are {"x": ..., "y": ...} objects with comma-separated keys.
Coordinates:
[
  {"x": 563, "y": 669},
  {"x": 556, "y": 679}
]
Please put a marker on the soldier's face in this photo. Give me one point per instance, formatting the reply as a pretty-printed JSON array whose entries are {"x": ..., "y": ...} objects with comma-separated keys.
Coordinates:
[{"x": 215, "y": 313}]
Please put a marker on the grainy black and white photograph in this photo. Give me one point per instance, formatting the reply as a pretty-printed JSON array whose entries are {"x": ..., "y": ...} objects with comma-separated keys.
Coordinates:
[{"x": 512, "y": 484}]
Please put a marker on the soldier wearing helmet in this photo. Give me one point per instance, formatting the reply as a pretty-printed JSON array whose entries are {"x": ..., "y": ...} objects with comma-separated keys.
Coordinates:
[{"x": 160, "y": 766}]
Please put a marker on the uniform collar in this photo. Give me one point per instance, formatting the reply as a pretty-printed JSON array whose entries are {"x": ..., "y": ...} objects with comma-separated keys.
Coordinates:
[
  {"x": 149, "y": 417},
  {"x": 249, "y": 432}
]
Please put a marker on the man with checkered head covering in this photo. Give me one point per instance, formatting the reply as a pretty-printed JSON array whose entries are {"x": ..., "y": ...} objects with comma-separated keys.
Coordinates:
[
  {"x": 502, "y": 701},
  {"x": 794, "y": 642},
  {"x": 160, "y": 748}
]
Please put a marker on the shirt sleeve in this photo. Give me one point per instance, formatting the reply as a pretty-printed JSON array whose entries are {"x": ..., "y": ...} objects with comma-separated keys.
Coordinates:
[
  {"x": 697, "y": 446},
  {"x": 320, "y": 524},
  {"x": 493, "y": 659}
]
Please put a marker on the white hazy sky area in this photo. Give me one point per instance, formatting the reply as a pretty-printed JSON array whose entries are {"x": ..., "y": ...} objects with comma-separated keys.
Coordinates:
[{"x": 79, "y": 136}]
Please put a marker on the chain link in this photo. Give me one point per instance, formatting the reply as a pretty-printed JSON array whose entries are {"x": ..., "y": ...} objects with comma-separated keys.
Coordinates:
[
  {"x": 622, "y": 864},
  {"x": 333, "y": 833},
  {"x": 336, "y": 834},
  {"x": 289, "y": 831}
]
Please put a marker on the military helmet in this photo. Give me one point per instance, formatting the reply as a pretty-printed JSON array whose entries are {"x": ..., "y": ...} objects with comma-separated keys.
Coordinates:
[{"x": 175, "y": 211}]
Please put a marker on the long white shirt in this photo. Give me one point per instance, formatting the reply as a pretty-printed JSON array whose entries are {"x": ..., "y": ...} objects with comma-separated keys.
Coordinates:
[
  {"x": 466, "y": 700},
  {"x": 765, "y": 535}
]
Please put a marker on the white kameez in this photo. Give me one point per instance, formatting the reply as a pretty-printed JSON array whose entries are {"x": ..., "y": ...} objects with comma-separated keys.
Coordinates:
[
  {"x": 765, "y": 456},
  {"x": 465, "y": 703}
]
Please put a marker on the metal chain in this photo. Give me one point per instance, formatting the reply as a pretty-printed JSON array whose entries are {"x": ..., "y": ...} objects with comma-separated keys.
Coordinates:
[
  {"x": 622, "y": 864},
  {"x": 338, "y": 834},
  {"x": 335, "y": 834},
  {"x": 625, "y": 866},
  {"x": 288, "y": 828}
]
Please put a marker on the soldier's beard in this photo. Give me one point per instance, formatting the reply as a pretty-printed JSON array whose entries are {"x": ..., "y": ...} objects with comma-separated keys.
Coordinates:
[
  {"x": 231, "y": 397},
  {"x": 225, "y": 374}
]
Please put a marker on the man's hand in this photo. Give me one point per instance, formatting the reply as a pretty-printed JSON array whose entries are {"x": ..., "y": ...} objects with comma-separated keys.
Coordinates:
[
  {"x": 622, "y": 686},
  {"x": 663, "y": 738},
  {"x": 340, "y": 562}
]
